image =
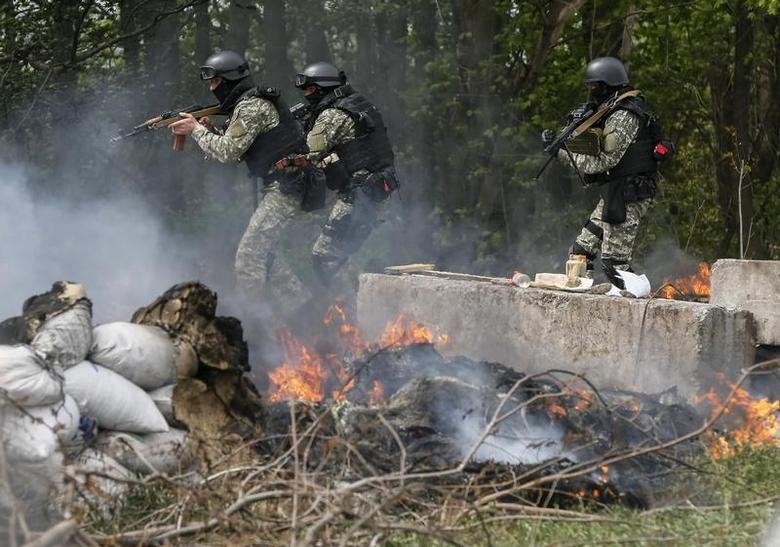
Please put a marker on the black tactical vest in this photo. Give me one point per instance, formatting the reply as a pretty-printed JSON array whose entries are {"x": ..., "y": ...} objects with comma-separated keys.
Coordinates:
[
  {"x": 271, "y": 146},
  {"x": 371, "y": 148},
  {"x": 638, "y": 159}
]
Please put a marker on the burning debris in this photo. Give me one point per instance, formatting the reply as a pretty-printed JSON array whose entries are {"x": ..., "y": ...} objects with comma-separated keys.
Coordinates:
[
  {"x": 694, "y": 287},
  {"x": 353, "y": 427}
]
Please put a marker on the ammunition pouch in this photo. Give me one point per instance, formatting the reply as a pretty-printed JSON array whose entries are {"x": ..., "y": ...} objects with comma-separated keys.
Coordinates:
[
  {"x": 337, "y": 175},
  {"x": 617, "y": 192},
  {"x": 378, "y": 186},
  {"x": 314, "y": 191},
  {"x": 308, "y": 182}
]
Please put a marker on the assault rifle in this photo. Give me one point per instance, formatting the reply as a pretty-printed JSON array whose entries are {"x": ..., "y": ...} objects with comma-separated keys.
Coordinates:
[
  {"x": 167, "y": 118},
  {"x": 301, "y": 111},
  {"x": 575, "y": 119}
]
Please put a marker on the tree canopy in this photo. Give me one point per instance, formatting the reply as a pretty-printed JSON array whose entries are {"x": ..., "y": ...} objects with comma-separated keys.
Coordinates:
[{"x": 466, "y": 87}]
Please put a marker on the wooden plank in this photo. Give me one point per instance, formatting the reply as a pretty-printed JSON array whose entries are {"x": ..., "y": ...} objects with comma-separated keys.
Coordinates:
[{"x": 409, "y": 268}]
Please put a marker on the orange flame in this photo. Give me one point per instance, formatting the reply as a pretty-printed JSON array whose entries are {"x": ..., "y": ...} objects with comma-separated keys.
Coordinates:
[
  {"x": 758, "y": 419},
  {"x": 377, "y": 394},
  {"x": 303, "y": 374},
  {"x": 402, "y": 332},
  {"x": 697, "y": 285}
]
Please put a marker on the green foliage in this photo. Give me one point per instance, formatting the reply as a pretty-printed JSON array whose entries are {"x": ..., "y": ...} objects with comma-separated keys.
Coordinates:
[{"x": 465, "y": 91}]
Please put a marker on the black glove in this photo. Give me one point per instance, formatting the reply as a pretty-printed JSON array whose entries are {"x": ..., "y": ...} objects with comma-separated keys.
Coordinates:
[{"x": 548, "y": 136}]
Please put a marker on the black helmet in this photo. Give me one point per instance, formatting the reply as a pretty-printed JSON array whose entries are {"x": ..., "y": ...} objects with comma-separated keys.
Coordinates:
[
  {"x": 225, "y": 64},
  {"x": 608, "y": 70},
  {"x": 322, "y": 74}
]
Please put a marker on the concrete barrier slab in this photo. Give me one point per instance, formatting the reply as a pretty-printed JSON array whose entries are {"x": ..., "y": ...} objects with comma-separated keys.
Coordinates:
[
  {"x": 650, "y": 345},
  {"x": 752, "y": 285}
]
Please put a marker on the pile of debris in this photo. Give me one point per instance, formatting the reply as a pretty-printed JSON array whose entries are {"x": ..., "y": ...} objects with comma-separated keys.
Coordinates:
[
  {"x": 88, "y": 410},
  {"x": 411, "y": 407}
]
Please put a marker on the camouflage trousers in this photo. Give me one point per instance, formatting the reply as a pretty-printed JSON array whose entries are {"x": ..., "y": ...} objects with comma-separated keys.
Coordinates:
[
  {"x": 262, "y": 274},
  {"x": 350, "y": 222},
  {"x": 615, "y": 241}
]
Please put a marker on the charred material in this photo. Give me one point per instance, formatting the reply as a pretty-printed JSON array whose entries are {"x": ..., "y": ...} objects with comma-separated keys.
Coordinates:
[{"x": 487, "y": 421}]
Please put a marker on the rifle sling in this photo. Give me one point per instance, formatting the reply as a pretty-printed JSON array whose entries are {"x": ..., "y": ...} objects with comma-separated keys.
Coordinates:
[{"x": 599, "y": 114}]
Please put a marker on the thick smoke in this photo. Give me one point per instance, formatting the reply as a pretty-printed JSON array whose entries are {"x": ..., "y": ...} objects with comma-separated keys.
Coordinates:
[{"x": 114, "y": 246}]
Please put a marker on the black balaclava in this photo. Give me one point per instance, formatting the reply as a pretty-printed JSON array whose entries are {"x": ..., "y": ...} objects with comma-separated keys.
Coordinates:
[
  {"x": 229, "y": 91},
  {"x": 315, "y": 97}
]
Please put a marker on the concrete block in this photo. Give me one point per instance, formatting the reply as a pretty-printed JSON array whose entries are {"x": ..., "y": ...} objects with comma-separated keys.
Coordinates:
[
  {"x": 752, "y": 285},
  {"x": 650, "y": 345}
]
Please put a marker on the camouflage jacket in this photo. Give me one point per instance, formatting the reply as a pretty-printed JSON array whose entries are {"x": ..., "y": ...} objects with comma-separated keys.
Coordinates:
[
  {"x": 331, "y": 128},
  {"x": 251, "y": 117},
  {"x": 620, "y": 130}
]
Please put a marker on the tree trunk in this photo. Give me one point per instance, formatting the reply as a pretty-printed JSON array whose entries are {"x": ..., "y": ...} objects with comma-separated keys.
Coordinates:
[
  {"x": 240, "y": 15},
  {"x": 131, "y": 47},
  {"x": 279, "y": 68},
  {"x": 315, "y": 41},
  {"x": 202, "y": 32}
]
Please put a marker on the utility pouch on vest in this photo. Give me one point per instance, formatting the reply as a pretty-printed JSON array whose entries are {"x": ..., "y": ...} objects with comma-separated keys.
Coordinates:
[
  {"x": 336, "y": 175},
  {"x": 378, "y": 186},
  {"x": 614, "y": 211},
  {"x": 314, "y": 190}
]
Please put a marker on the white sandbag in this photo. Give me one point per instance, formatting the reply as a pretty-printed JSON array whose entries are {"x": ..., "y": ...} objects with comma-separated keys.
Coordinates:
[
  {"x": 143, "y": 354},
  {"x": 115, "y": 402},
  {"x": 65, "y": 339},
  {"x": 163, "y": 398},
  {"x": 25, "y": 379},
  {"x": 36, "y": 433},
  {"x": 100, "y": 478},
  {"x": 165, "y": 453}
]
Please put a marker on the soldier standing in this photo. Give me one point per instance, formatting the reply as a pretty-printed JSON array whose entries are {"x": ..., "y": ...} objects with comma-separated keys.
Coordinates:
[
  {"x": 260, "y": 131},
  {"x": 623, "y": 162},
  {"x": 348, "y": 139}
]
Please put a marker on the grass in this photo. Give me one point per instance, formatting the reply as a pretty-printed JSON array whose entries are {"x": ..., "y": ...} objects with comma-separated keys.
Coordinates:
[{"x": 720, "y": 511}]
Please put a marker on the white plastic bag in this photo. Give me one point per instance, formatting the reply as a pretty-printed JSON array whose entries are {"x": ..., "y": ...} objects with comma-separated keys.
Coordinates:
[
  {"x": 34, "y": 434},
  {"x": 65, "y": 339},
  {"x": 638, "y": 285},
  {"x": 115, "y": 402},
  {"x": 163, "y": 398},
  {"x": 25, "y": 379},
  {"x": 165, "y": 453},
  {"x": 143, "y": 354}
]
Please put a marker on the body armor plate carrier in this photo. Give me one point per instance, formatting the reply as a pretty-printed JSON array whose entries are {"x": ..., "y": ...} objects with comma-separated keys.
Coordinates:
[
  {"x": 370, "y": 150},
  {"x": 638, "y": 160},
  {"x": 284, "y": 139}
]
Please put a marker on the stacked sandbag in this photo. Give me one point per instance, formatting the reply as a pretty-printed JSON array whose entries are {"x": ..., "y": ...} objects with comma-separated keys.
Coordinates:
[
  {"x": 25, "y": 378},
  {"x": 38, "y": 433},
  {"x": 162, "y": 453},
  {"x": 115, "y": 402},
  {"x": 146, "y": 355},
  {"x": 57, "y": 323}
]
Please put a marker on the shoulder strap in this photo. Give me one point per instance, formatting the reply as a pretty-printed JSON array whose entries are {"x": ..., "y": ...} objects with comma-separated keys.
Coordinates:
[{"x": 608, "y": 108}]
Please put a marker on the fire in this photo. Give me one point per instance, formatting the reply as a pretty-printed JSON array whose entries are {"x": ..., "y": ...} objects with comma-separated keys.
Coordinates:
[
  {"x": 305, "y": 375},
  {"x": 697, "y": 285},
  {"x": 402, "y": 332},
  {"x": 377, "y": 394},
  {"x": 301, "y": 375},
  {"x": 759, "y": 423}
]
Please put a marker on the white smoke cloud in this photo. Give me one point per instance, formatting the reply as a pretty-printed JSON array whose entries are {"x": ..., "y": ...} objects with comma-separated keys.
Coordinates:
[{"x": 114, "y": 246}]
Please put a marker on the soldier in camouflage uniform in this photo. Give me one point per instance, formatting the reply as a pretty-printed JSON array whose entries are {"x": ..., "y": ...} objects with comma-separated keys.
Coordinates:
[
  {"x": 623, "y": 164},
  {"x": 347, "y": 138},
  {"x": 260, "y": 132}
]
